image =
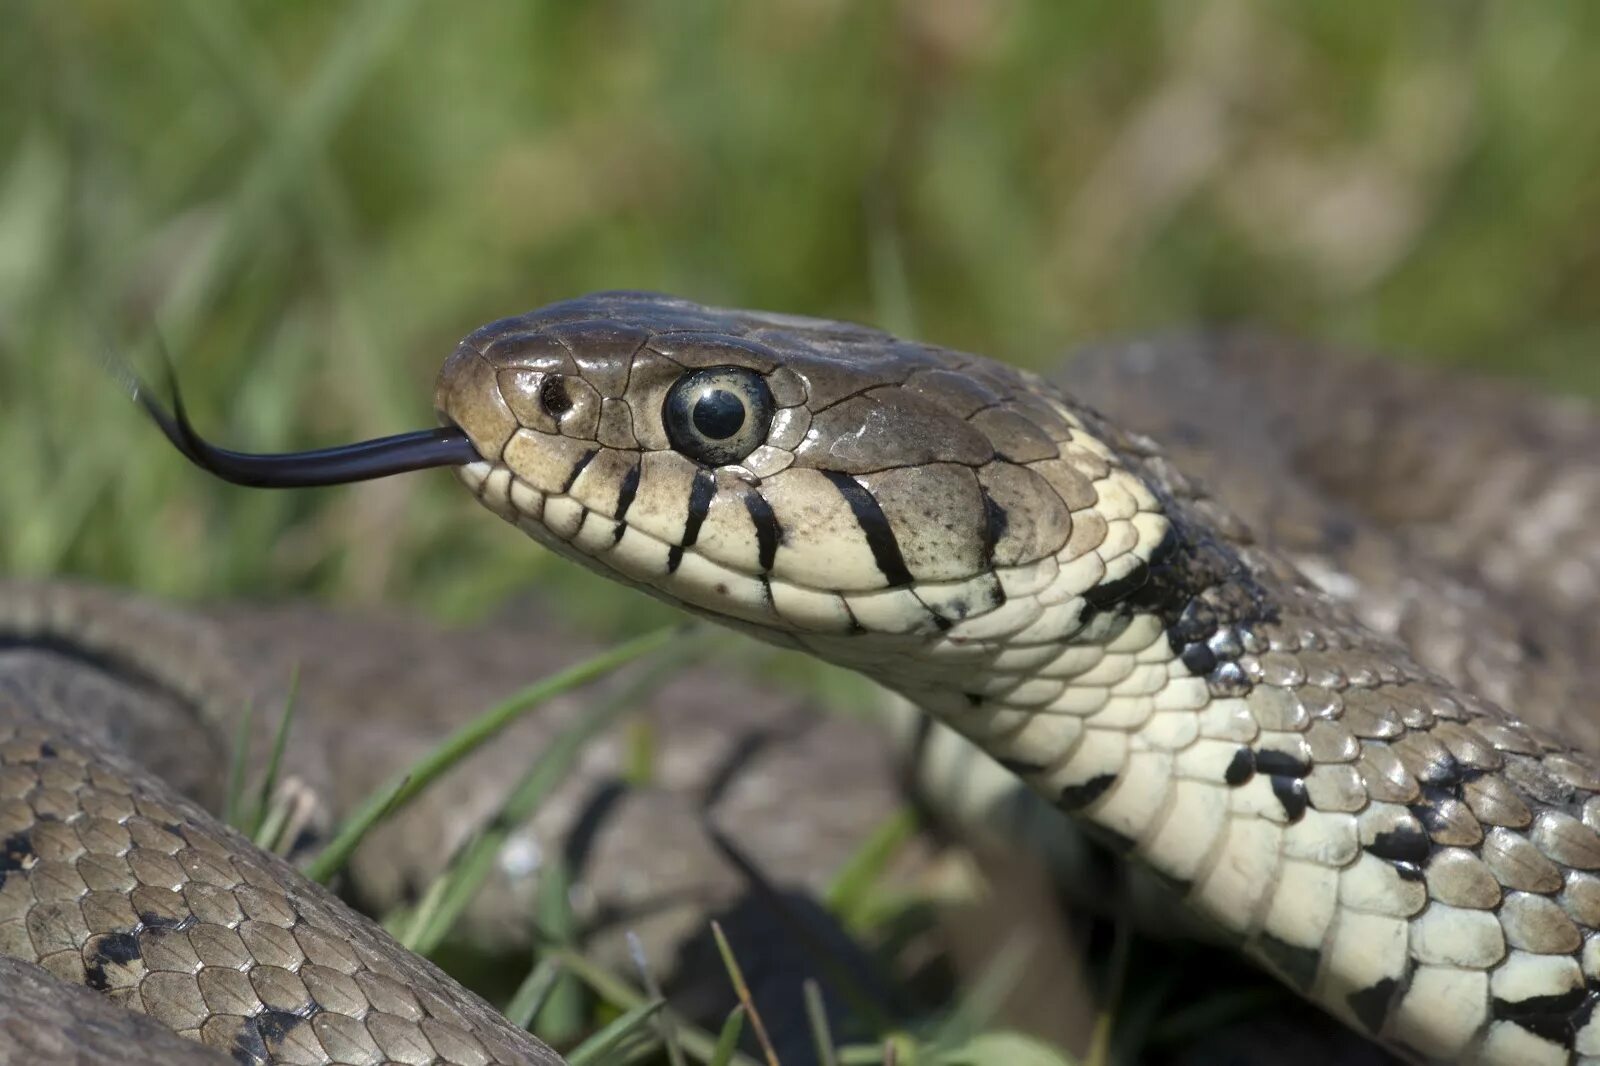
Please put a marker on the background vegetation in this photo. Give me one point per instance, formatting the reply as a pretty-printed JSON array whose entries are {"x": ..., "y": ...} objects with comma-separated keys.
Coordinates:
[{"x": 312, "y": 202}]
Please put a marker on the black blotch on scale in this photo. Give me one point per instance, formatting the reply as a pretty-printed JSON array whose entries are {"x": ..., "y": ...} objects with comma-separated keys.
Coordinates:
[
  {"x": 276, "y": 1025},
  {"x": 248, "y": 1047},
  {"x": 625, "y": 495},
  {"x": 1296, "y": 963},
  {"x": 1291, "y": 793},
  {"x": 15, "y": 851},
  {"x": 1280, "y": 764},
  {"x": 995, "y": 524},
  {"x": 1241, "y": 769},
  {"x": 160, "y": 924},
  {"x": 1108, "y": 593},
  {"x": 701, "y": 492},
  {"x": 874, "y": 526},
  {"x": 118, "y": 949},
  {"x": 1371, "y": 1004},
  {"x": 1401, "y": 845},
  {"x": 1077, "y": 797},
  {"x": 577, "y": 468},
  {"x": 1554, "y": 1017},
  {"x": 1198, "y": 659},
  {"x": 768, "y": 533}
]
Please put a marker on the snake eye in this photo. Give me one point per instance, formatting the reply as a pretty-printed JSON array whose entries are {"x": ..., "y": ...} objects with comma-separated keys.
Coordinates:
[{"x": 718, "y": 415}]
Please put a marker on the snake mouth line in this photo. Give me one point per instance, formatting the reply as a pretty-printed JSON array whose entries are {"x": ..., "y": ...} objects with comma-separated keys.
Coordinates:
[{"x": 446, "y": 445}]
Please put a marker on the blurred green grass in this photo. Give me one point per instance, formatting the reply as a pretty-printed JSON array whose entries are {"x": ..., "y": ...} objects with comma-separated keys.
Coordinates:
[{"x": 314, "y": 201}]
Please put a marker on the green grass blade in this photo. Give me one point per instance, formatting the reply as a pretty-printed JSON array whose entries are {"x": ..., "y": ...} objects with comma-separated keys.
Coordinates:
[
  {"x": 817, "y": 1016},
  {"x": 233, "y": 806},
  {"x": 629, "y": 1023},
  {"x": 275, "y": 762},
  {"x": 273, "y": 821},
  {"x": 852, "y": 888},
  {"x": 728, "y": 1039},
  {"x": 616, "y": 991},
  {"x": 742, "y": 990},
  {"x": 449, "y": 896},
  {"x": 562, "y": 1017},
  {"x": 530, "y": 996},
  {"x": 665, "y": 1028},
  {"x": 469, "y": 738}
]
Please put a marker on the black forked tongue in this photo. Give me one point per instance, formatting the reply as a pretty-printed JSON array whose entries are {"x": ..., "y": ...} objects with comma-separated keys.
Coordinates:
[{"x": 362, "y": 461}]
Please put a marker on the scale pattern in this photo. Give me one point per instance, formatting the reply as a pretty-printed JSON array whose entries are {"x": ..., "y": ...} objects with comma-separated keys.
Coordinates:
[
  {"x": 111, "y": 880},
  {"x": 1406, "y": 853}
]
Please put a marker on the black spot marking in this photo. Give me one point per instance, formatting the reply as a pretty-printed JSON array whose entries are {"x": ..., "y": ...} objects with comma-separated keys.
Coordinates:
[
  {"x": 1402, "y": 844},
  {"x": 1291, "y": 793},
  {"x": 248, "y": 1047},
  {"x": 577, "y": 468},
  {"x": 1198, "y": 659},
  {"x": 162, "y": 924},
  {"x": 1551, "y": 1017},
  {"x": 1296, "y": 963},
  {"x": 117, "y": 949},
  {"x": 1281, "y": 764},
  {"x": 275, "y": 1025},
  {"x": 701, "y": 492},
  {"x": 1441, "y": 771},
  {"x": 1107, "y": 593},
  {"x": 15, "y": 851},
  {"x": 1242, "y": 767},
  {"x": 1077, "y": 797},
  {"x": 995, "y": 524},
  {"x": 1228, "y": 679},
  {"x": 553, "y": 395},
  {"x": 875, "y": 526},
  {"x": 1371, "y": 1005},
  {"x": 767, "y": 532},
  {"x": 625, "y": 495},
  {"x": 120, "y": 948},
  {"x": 47, "y": 750},
  {"x": 1410, "y": 871},
  {"x": 974, "y": 699}
]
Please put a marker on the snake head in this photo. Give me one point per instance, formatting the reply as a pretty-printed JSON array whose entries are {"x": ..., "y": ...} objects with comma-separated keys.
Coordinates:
[{"x": 804, "y": 478}]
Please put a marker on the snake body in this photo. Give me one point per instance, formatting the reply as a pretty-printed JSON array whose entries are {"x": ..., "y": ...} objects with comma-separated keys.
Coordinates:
[
  {"x": 1399, "y": 849},
  {"x": 1358, "y": 801}
]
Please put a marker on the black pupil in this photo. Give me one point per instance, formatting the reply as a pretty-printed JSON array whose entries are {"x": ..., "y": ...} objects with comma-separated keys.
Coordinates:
[{"x": 718, "y": 414}]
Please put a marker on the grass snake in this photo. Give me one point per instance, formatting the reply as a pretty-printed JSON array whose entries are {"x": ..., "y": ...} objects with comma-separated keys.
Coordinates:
[{"x": 1373, "y": 791}]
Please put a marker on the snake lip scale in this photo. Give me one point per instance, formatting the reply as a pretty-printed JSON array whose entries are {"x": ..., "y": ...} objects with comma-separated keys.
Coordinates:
[{"x": 1403, "y": 852}]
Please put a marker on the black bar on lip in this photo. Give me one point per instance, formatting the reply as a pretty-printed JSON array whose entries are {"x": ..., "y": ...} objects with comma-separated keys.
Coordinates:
[{"x": 362, "y": 461}]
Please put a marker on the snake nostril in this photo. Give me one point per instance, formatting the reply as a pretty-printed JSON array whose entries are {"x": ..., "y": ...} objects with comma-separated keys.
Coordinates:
[{"x": 553, "y": 396}]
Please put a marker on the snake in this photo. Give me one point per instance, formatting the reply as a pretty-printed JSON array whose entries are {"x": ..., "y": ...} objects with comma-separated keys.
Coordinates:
[{"x": 1408, "y": 845}]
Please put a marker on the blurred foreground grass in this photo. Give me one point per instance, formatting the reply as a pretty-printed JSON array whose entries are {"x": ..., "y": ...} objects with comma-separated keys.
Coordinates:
[{"x": 314, "y": 201}]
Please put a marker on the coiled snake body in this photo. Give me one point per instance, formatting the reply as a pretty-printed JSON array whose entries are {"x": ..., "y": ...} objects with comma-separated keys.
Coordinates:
[{"x": 1392, "y": 843}]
